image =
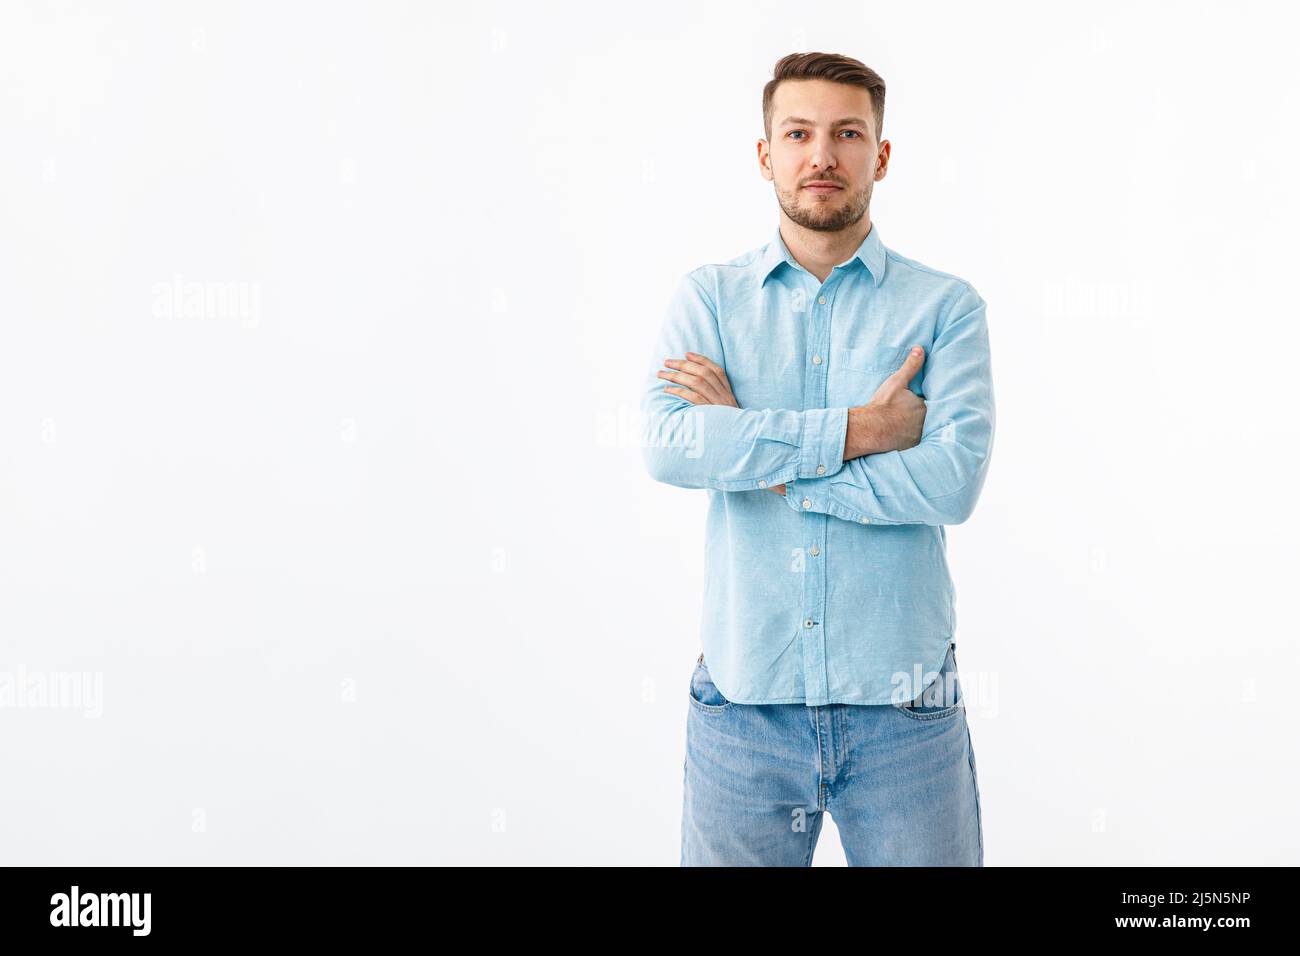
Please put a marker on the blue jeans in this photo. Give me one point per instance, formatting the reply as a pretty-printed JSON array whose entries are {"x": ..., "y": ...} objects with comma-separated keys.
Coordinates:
[{"x": 899, "y": 779}]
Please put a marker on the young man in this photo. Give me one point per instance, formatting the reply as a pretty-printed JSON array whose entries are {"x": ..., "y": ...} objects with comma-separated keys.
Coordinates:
[{"x": 836, "y": 400}]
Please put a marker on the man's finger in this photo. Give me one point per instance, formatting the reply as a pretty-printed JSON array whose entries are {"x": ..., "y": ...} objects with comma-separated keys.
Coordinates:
[
  {"x": 704, "y": 360},
  {"x": 915, "y": 359},
  {"x": 709, "y": 370},
  {"x": 691, "y": 380},
  {"x": 718, "y": 371},
  {"x": 703, "y": 372},
  {"x": 687, "y": 394}
]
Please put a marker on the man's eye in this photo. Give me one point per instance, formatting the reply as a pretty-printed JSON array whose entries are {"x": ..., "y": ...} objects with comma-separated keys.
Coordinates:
[{"x": 799, "y": 132}]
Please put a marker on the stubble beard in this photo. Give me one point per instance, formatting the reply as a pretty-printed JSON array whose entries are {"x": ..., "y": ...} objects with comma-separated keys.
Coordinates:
[{"x": 823, "y": 216}]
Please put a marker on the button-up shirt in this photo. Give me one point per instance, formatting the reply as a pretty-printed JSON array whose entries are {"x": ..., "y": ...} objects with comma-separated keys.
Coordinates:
[{"x": 838, "y": 592}]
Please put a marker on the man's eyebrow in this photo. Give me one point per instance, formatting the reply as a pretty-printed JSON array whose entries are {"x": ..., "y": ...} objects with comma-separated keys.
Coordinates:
[{"x": 846, "y": 121}]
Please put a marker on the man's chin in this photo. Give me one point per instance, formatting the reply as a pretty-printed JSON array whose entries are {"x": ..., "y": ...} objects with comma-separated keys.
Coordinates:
[
  {"x": 821, "y": 216},
  {"x": 822, "y": 222}
]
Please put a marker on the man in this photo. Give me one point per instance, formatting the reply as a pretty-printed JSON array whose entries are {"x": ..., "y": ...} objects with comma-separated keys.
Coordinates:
[{"x": 836, "y": 400}]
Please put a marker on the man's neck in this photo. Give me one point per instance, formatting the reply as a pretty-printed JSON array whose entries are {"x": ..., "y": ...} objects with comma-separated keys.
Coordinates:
[{"x": 820, "y": 252}]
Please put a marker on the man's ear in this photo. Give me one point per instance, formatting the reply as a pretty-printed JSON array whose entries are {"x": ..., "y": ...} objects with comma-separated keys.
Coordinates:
[
  {"x": 882, "y": 160},
  {"x": 764, "y": 160}
]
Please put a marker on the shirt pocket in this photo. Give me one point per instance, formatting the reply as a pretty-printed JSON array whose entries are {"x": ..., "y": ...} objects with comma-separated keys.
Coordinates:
[
  {"x": 875, "y": 358},
  {"x": 861, "y": 371}
]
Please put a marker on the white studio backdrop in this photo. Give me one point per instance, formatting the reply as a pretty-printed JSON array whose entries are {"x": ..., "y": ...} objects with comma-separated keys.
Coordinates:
[{"x": 323, "y": 522}]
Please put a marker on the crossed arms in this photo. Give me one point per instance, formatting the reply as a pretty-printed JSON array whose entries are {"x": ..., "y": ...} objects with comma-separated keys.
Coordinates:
[{"x": 861, "y": 463}]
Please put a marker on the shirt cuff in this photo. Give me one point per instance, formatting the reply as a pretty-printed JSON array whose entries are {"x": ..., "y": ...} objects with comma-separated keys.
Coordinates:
[
  {"x": 796, "y": 494},
  {"x": 821, "y": 447},
  {"x": 816, "y": 493}
]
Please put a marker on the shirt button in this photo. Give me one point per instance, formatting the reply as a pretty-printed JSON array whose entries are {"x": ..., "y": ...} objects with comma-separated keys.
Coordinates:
[
  {"x": 814, "y": 551},
  {"x": 808, "y": 504},
  {"x": 762, "y": 484},
  {"x": 817, "y": 360},
  {"x": 808, "y": 623},
  {"x": 821, "y": 300},
  {"x": 821, "y": 469},
  {"x": 866, "y": 521}
]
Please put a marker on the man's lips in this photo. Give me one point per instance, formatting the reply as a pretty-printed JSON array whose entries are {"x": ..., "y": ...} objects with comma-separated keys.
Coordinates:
[{"x": 822, "y": 188}]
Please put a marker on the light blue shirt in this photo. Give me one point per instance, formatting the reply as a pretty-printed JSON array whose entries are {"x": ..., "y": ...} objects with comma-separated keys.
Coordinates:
[{"x": 838, "y": 592}]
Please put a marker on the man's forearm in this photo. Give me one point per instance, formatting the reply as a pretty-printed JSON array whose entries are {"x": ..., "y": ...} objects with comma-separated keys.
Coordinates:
[{"x": 860, "y": 437}]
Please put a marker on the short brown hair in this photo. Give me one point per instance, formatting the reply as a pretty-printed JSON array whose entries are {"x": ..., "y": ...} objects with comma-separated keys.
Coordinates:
[{"x": 825, "y": 66}]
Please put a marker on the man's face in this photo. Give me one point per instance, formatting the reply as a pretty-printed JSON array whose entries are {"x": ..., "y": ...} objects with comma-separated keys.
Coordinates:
[{"x": 823, "y": 132}]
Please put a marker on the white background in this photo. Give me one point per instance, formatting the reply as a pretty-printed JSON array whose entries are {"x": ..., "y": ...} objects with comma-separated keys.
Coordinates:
[{"x": 373, "y": 573}]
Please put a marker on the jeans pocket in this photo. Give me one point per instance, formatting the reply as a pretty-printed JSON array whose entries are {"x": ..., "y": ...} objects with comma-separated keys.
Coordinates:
[
  {"x": 704, "y": 694},
  {"x": 942, "y": 698}
]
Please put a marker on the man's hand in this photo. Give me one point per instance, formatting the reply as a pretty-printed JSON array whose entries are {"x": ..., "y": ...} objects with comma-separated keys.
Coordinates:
[
  {"x": 893, "y": 419},
  {"x": 703, "y": 382},
  {"x": 700, "y": 381}
]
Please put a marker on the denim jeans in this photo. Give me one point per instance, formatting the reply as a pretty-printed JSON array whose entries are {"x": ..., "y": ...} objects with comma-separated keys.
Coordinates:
[{"x": 898, "y": 779}]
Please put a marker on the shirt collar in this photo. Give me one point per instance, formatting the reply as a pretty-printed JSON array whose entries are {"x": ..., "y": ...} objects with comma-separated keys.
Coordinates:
[{"x": 871, "y": 252}]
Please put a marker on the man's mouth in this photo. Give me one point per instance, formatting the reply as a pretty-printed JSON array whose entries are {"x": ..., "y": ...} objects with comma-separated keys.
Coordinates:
[{"x": 822, "y": 188}]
